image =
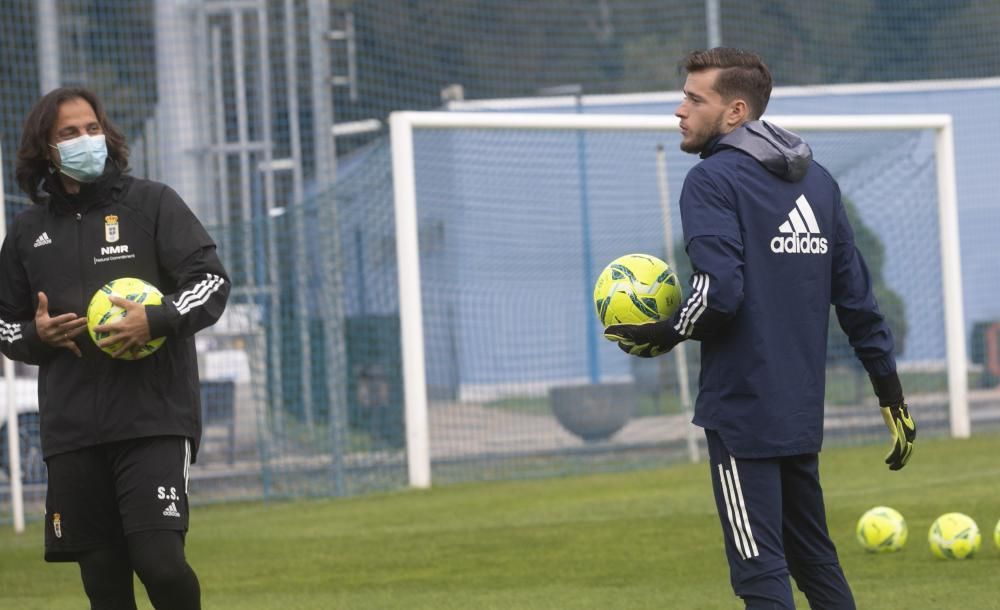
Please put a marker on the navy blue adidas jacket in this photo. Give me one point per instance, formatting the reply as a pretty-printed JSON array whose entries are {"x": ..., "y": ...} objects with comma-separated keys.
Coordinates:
[{"x": 771, "y": 249}]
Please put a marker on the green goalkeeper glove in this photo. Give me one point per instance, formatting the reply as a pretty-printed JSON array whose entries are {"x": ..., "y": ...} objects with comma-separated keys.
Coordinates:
[
  {"x": 897, "y": 419},
  {"x": 645, "y": 340},
  {"x": 903, "y": 430}
]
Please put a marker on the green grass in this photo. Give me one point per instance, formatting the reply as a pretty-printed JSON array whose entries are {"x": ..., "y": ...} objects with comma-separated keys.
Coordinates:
[{"x": 628, "y": 541}]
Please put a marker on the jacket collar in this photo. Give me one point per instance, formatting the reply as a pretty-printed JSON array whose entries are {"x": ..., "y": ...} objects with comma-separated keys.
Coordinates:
[
  {"x": 781, "y": 152},
  {"x": 711, "y": 147},
  {"x": 98, "y": 193}
]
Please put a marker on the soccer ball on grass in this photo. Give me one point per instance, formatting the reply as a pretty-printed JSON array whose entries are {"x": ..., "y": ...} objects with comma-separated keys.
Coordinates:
[
  {"x": 636, "y": 288},
  {"x": 954, "y": 536},
  {"x": 102, "y": 311},
  {"x": 881, "y": 530}
]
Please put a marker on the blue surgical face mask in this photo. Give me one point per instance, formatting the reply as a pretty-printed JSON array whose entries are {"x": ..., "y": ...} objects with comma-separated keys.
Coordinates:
[{"x": 82, "y": 158}]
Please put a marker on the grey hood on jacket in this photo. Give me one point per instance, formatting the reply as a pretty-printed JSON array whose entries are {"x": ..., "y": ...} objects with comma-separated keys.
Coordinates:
[{"x": 781, "y": 152}]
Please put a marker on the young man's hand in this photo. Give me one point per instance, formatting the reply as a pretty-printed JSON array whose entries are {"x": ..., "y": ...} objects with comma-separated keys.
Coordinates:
[
  {"x": 903, "y": 430},
  {"x": 897, "y": 418},
  {"x": 644, "y": 340}
]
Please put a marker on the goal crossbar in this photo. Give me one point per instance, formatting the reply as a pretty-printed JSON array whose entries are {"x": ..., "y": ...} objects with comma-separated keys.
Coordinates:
[
  {"x": 402, "y": 125},
  {"x": 637, "y": 122}
]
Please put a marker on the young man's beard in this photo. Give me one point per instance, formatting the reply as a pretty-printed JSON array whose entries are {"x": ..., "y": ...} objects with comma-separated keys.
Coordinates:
[{"x": 697, "y": 147}]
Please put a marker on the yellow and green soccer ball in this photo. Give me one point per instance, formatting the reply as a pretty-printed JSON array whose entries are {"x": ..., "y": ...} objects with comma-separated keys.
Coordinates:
[
  {"x": 636, "y": 288},
  {"x": 102, "y": 311},
  {"x": 881, "y": 530},
  {"x": 954, "y": 536},
  {"x": 996, "y": 535}
]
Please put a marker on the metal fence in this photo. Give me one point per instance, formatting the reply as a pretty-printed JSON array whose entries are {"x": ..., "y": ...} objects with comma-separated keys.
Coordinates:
[{"x": 268, "y": 117}]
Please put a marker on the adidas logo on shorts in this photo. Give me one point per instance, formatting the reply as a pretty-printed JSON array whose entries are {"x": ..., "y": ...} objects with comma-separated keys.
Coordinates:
[
  {"x": 800, "y": 233},
  {"x": 171, "y": 511}
]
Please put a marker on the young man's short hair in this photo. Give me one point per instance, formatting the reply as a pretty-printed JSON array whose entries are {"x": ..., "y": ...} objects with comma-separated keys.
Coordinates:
[{"x": 742, "y": 74}]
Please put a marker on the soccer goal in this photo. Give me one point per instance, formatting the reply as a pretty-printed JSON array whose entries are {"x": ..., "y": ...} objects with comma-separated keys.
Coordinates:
[{"x": 503, "y": 222}]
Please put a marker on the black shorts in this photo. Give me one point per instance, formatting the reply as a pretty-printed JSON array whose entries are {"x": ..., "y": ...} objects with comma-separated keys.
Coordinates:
[{"x": 98, "y": 495}]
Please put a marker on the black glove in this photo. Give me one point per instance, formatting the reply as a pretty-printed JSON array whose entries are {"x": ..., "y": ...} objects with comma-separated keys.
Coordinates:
[
  {"x": 644, "y": 340},
  {"x": 897, "y": 419}
]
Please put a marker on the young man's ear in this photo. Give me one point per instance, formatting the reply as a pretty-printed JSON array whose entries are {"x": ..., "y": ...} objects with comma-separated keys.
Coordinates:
[{"x": 737, "y": 113}]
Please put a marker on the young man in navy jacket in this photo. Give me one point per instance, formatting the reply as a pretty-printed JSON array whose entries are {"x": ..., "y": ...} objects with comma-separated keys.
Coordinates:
[{"x": 771, "y": 249}]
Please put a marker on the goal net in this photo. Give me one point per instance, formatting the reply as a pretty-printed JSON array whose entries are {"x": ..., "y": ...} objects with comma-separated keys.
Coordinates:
[{"x": 504, "y": 221}]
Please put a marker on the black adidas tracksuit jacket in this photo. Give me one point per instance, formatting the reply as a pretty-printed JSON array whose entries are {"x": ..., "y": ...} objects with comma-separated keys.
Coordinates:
[{"x": 70, "y": 246}]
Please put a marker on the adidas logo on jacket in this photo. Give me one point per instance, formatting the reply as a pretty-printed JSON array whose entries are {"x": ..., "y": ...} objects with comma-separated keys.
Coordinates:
[{"x": 805, "y": 236}]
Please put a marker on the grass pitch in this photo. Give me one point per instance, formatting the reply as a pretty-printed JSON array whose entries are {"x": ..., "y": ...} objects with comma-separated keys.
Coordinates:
[{"x": 626, "y": 541}]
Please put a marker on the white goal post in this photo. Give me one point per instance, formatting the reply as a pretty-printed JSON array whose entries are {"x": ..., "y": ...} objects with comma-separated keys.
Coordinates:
[{"x": 403, "y": 125}]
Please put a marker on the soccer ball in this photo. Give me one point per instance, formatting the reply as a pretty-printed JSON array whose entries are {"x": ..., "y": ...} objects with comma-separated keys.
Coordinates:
[
  {"x": 954, "y": 536},
  {"x": 996, "y": 535},
  {"x": 102, "y": 311},
  {"x": 636, "y": 288},
  {"x": 881, "y": 530}
]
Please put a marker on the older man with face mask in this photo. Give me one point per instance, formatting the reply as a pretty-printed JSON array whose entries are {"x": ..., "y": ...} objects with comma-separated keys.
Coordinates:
[{"x": 118, "y": 433}]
